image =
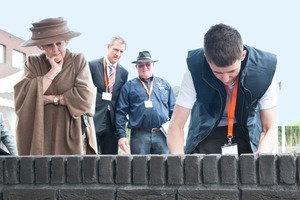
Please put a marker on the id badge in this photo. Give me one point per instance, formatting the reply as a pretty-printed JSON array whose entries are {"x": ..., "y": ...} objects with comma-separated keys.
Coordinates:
[
  {"x": 230, "y": 149},
  {"x": 148, "y": 104},
  {"x": 106, "y": 96}
]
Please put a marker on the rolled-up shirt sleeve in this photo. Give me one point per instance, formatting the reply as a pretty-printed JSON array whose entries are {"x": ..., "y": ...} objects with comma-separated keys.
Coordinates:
[
  {"x": 269, "y": 99},
  {"x": 187, "y": 93}
]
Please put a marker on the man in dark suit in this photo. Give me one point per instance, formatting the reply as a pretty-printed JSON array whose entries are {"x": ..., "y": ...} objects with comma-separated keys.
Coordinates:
[{"x": 108, "y": 77}]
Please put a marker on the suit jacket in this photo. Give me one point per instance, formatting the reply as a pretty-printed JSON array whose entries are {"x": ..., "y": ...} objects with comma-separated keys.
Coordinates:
[{"x": 96, "y": 68}]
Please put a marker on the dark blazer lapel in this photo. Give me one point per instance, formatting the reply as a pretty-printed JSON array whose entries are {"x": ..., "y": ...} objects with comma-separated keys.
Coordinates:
[
  {"x": 101, "y": 77},
  {"x": 118, "y": 76}
]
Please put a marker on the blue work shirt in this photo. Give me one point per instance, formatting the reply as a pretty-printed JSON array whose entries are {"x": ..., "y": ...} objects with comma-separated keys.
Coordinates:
[{"x": 131, "y": 104}]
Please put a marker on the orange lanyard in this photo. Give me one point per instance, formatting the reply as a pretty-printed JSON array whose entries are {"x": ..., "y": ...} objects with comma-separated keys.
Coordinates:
[
  {"x": 231, "y": 109},
  {"x": 105, "y": 74},
  {"x": 146, "y": 88}
]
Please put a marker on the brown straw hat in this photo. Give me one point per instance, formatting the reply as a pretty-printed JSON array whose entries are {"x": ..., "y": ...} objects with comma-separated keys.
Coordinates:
[
  {"x": 144, "y": 56},
  {"x": 48, "y": 31}
]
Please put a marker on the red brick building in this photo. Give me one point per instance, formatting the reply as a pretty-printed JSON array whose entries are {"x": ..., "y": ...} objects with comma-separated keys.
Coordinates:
[{"x": 12, "y": 57}]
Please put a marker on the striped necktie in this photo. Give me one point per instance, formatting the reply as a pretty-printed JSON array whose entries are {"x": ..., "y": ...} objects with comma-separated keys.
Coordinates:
[{"x": 111, "y": 78}]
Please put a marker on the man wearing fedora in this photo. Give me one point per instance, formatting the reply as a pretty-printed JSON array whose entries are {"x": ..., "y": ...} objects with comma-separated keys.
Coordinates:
[
  {"x": 148, "y": 101},
  {"x": 108, "y": 77},
  {"x": 55, "y": 91}
]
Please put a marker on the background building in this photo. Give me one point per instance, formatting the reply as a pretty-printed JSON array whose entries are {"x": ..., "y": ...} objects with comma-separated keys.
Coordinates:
[{"x": 12, "y": 57}]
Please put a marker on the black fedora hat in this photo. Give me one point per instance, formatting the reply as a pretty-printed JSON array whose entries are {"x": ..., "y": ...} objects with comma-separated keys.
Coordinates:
[{"x": 144, "y": 56}]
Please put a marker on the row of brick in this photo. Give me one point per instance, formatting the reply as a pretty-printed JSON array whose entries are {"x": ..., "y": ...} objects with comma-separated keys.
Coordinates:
[
  {"x": 150, "y": 192},
  {"x": 229, "y": 170}
]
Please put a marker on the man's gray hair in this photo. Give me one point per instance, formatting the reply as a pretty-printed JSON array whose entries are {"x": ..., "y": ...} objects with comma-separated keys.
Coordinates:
[{"x": 117, "y": 38}]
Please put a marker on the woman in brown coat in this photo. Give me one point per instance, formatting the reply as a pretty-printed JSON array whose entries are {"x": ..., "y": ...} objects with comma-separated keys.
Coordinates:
[{"x": 55, "y": 91}]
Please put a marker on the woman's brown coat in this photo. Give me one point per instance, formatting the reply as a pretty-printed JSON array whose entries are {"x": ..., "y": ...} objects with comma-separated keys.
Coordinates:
[{"x": 50, "y": 129}]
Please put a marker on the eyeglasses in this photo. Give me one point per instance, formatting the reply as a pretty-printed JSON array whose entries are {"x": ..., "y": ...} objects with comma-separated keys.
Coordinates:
[
  {"x": 141, "y": 65},
  {"x": 51, "y": 46}
]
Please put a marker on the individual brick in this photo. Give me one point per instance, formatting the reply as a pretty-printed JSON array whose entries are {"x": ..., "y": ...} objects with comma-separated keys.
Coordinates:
[
  {"x": 27, "y": 193},
  {"x": 26, "y": 170},
  {"x": 157, "y": 170},
  {"x": 123, "y": 169},
  {"x": 228, "y": 167},
  {"x": 89, "y": 169},
  {"x": 57, "y": 170},
  {"x": 210, "y": 168},
  {"x": 192, "y": 169},
  {"x": 248, "y": 169},
  {"x": 208, "y": 193},
  {"x": 42, "y": 170},
  {"x": 146, "y": 193},
  {"x": 74, "y": 169},
  {"x": 260, "y": 194},
  {"x": 87, "y": 194},
  {"x": 140, "y": 169},
  {"x": 106, "y": 169},
  {"x": 175, "y": 170},
  {"x": 11, "y": 170},
  {"x": 267, "y": 169},
  {"x": 287, "y": 169}
]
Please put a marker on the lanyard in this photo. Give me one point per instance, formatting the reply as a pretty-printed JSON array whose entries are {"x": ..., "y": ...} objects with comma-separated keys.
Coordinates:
[
  {"x": 106, "y": 83},
  {"x": 146, "y": 88},
  {"x": 231, "y": 109}
]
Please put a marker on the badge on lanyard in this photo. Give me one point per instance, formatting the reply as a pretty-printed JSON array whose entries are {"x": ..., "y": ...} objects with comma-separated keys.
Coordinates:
[
  {"x": 148, "y": 104},
  {"x": 106, "y": 96},
  {"x": 231, "y": 148}
]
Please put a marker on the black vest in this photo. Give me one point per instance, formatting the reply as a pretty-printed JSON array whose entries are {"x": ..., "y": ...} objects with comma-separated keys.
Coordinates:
[{"x": 256, "y": 75}]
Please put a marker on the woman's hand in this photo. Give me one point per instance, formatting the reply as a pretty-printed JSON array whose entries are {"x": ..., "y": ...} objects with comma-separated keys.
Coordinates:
[{"x": 56, "y": 63}]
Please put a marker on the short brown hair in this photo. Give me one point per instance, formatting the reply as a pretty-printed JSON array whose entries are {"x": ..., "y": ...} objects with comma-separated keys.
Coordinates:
[{"x": 223, "y": 45}]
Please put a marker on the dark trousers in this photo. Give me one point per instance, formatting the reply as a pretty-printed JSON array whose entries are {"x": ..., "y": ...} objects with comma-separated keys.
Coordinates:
[
  {"x": 214, "y": 141},
  {"x": 145, "y": 142},
  {"x": 106, "y": 139}
]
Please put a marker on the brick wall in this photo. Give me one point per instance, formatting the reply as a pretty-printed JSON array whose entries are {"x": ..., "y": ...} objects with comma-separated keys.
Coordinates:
[{"x": 151, "y": 177}]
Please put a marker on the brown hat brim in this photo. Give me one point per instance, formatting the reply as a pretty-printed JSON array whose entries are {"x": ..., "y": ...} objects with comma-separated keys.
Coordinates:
[{"x": 66, "y": 36}]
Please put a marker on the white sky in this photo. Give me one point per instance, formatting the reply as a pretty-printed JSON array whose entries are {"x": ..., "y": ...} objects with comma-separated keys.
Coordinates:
[{"x": 169, "y": 28}]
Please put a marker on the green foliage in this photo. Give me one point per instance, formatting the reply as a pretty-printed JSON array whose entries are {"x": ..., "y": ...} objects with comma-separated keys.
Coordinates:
[
  {"x": 297, "y": 124},
  {"x": 292, "y": 136}
]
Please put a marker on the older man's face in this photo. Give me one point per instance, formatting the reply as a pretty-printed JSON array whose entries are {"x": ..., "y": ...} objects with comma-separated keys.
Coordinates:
[{"x": 145, "y": 69}]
